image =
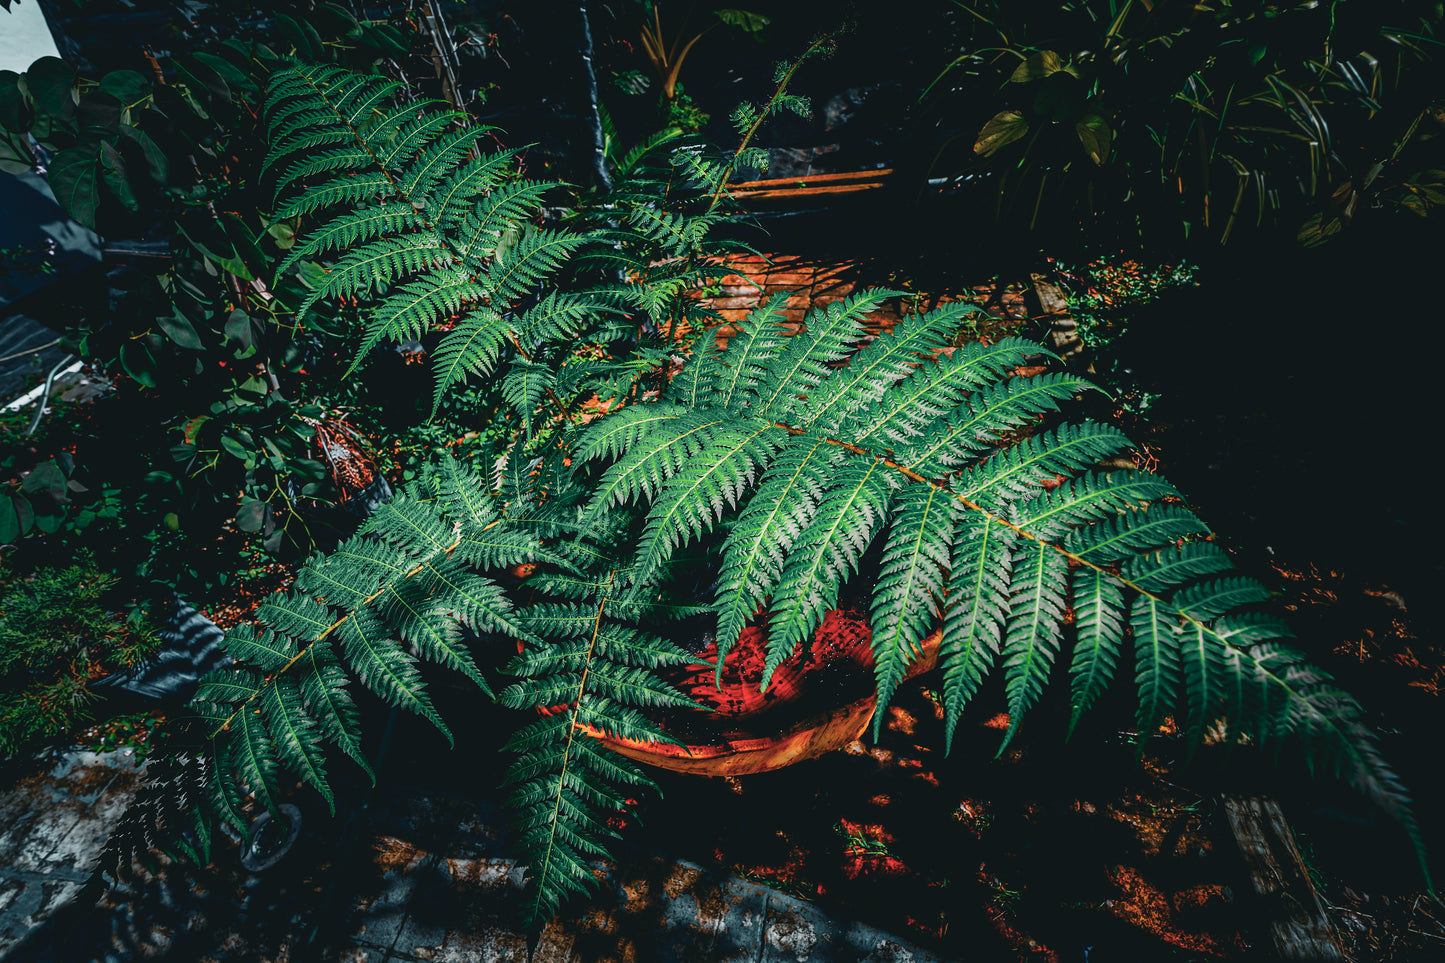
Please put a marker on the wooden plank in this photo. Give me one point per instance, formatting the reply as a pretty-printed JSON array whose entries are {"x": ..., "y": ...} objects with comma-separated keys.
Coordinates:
[
  {"x": 841, "y": 177},
  {"x": 1299, "y": 929}
]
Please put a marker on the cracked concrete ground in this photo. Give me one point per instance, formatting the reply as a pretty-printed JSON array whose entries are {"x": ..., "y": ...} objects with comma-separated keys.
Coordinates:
[{"x": 407, "y": 875}]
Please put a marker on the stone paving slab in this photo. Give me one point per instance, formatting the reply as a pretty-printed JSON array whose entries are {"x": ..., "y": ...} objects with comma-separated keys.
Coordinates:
[
  {"x": 416, "y": 876},
  {"x": 52, "y": 824}
]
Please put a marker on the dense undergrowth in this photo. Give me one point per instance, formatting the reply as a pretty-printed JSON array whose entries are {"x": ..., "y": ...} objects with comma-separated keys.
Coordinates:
[{"x": 575, "y": 428}]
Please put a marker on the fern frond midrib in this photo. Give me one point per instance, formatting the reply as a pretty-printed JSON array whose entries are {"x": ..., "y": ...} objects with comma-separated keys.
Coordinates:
[
  {"x": 572, "y": 729},
  {"x": 999, "y": 519}
]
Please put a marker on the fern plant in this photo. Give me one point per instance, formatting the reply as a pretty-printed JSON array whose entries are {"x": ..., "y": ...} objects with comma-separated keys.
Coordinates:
[
  {"x": 992, "y": 518},
  {"x": 816, "y": 449}
]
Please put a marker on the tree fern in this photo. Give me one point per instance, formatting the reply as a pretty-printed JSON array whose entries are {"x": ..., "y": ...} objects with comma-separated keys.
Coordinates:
[{"x": 817, "y": 448}]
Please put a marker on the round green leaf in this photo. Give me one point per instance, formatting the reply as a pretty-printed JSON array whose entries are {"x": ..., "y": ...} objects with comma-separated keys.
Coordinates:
[
  {"x": 180, "y": 330},
  {"x": 138, "y": 361},
  {"x": 235, "y": 448},
  {"x": 15, "y": 155},
  {"x": 112, "y": 169},
  {"x": 126, "y": 86},
  {"x": 744, "y": 20},
  {"x": 283, "y": 234},
  {"x": 155, "y": 159},
  {"x": 386, "y": 38},
  {"x": 304, "y": 37},
  {"x": 16, "y": 114},
  {"x": 99, "y": 113},
  {"x": 243, "y": 240},
  {"x": 1035, "y": 66},
  {"x": 9, "y": 522},
  {"x": 238, "y": 329},
  {"x": 1005, "y": 127},
  {"x": 24, "y": 514},
  {"x": 202, "y": 76},
  {"x": 46, "y": 477},
  {"x": 236, "y": 79},
  {"x": 1061, "y": 97},
  {"x": 51, "y": 82},
  {"x": 1096, "y": 136},
  {"x": 75, "y": 178},
  {"x": 338, "y": 21},
  {"x": 252, "y": 516}
]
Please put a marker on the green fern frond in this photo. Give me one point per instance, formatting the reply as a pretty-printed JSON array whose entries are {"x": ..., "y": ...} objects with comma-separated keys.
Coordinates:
[
  {"x": 524, "y": 387},
  {"x": 297, "y": 737},
  {"x": 440, "y": 161},
  {"x": 526, "y": 264},
  {"x": 1031, "y": 639},
  {"x": 253, "y": 757},
  {"x": 829, "y": 336},
  {"x": 783, "y": 507},
  {"x": 692, "y": 500},
  {"x": 911, "y": 584},
  {"x": 379, "y": 264},
  {"x": 978, "y": 600},
  {"x": 432, "y": 226},
  {"x": 1099, "y": 627},
  {"x": 1020, "y": 470},
  {"x": 407, "y": 314},
  {"x": 1155, "y": 625},
  {"x": 938, "y": 388},
  {"x": 484, "y": 226},
  {"x": 350, "y": 190},
  {"x": 1168, "y": 567},
  {"x": 558, "y": 317},
  {"x": 472, "y": 348},
  {"x": 596, "y": 675},
  {"x": 453, "y": 199},
  {"x": 750, "y": 351},
  {"x": 891, "y": 357},
  {"x": 791, "y": 443},
  {"x": 352, "y": 228},
  {"x": 1089, "y": 497},
  {"x": 386, "y": 668},
  {"x": 337, "y": 159},
  {"x": 824, "y": 556},
  {"x": 1132, "y": 531},
  {"x": 265, "y": 650},
  {"x": 323, "y": 689}
]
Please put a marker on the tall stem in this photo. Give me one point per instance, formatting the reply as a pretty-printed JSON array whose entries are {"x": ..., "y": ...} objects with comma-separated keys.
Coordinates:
[{"x": 594, "y": 117}]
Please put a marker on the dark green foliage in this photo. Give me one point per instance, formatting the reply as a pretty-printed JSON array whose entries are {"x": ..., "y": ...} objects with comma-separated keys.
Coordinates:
[
  {"x": 815, "y": 462},
  {"x": 993, "y": 518},
  {"x": 56, "y": 634},
  {"x": 1170, "y": 121}
]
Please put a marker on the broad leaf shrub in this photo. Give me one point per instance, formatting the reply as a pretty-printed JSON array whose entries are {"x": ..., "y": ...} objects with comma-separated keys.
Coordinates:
[
  {"x": 799, "y": 451},
  {"x": 1171, "y": 120},
  {"x": 199, "y": 328}
]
